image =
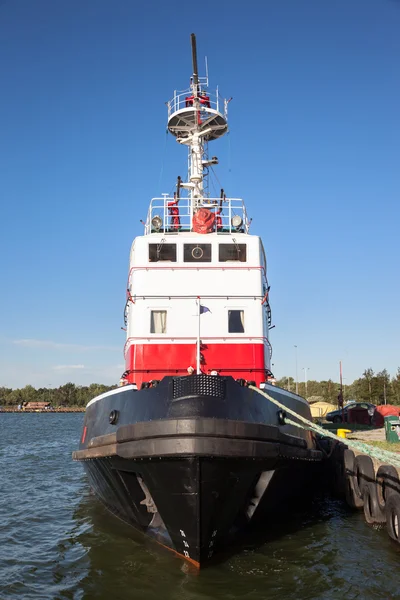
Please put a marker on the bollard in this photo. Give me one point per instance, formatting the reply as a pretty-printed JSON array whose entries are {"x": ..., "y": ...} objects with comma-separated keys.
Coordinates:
[{"x": 342, "y": 432}]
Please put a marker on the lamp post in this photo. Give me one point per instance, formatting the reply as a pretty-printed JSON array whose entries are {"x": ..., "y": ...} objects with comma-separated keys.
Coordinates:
[
  {"x": 305, "y": 369},
  {"x": 342, "y": 393},
  {"x": 297, "y": 378}
]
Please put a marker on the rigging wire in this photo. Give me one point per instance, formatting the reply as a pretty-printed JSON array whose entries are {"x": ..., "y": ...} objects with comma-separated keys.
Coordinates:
[
  {"x": 215, "y": 175},
  {"x": 229, "y": 152},
  {"x": 163, "y": 159},
  {"x": 229, "y": 160},
  {"x": 211, "y": 180}
]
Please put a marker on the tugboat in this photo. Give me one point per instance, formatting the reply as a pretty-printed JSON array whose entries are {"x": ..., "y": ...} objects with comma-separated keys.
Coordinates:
[{"x": 186, "y": 449}]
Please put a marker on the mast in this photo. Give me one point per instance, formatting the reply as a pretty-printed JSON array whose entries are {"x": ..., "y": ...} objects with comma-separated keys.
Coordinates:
[
  {"x": 194, "y": 60},
  {"x": 196, "y": 117},
  {"x": 195, "y": 140}
]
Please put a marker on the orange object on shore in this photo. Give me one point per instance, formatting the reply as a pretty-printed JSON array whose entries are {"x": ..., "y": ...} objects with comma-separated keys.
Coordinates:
[{"x": 386, "y": 410}]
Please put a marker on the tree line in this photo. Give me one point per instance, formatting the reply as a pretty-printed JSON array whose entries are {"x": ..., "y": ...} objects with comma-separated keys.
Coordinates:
[
  {"x": 379, "y": 388},
  {"x": 375, "y": 388},
  {"x": 68, "y": 395}
]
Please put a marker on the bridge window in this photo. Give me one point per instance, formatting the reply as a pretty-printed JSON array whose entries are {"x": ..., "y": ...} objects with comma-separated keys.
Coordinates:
[
  {"x": 158, "y": 252},
  {"x": 158, "y": 321},
  {"x": 197, "y": 252},
  {"x": 236, "y": 321},
  {"x": 229, "y": 252}
]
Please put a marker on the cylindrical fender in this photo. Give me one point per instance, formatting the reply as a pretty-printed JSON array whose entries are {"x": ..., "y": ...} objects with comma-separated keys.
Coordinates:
[
  {"x": 364, "y": 472},
  {"x": 387, "y": 483},
  {"x": 353, "y": 498},
  {"x": 372, "y": 511},
  {"x": 338, "y": 474},
  {"x": 392, "y": 511}
]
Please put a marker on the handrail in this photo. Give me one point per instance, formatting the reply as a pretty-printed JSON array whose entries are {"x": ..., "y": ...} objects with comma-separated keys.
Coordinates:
[
  {"x": 215, "y": 102},
  {"x": 165, "y": 207},
  {"x": 219, "y": 370},
  {"x": 126, "y": 312},
  {"x": 224, "y": 338},
  {"x": 194, "y": 297},
  {"x": 193, "y": 267}
]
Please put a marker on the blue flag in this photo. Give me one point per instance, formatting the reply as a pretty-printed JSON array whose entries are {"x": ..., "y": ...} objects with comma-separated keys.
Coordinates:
[{"x": 204, "y": 309}]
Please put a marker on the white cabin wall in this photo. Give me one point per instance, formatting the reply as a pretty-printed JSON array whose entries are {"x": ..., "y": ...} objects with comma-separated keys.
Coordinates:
[
  {"x": 196, "y": 279},
  {"x": 182, "y": 319},
  {"x": 267, "y": 353}
]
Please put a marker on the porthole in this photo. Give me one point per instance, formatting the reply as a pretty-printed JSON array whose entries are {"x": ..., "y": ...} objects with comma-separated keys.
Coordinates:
[
  {"x": 197, "y": 252},
  {"x": 113, "y": 418}
]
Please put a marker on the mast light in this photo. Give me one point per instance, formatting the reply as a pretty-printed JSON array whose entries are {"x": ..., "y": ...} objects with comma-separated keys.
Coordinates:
[
  {"x": 237, "y": 221},
  {"x": 156, "y": 222}
]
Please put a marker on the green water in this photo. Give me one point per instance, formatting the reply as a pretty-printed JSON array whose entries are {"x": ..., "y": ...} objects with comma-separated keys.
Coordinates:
[{"x": 57, "y": 541}]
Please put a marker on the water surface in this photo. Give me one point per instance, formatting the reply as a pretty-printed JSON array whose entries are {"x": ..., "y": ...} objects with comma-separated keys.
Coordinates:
[{"x": 58, "y": 542}]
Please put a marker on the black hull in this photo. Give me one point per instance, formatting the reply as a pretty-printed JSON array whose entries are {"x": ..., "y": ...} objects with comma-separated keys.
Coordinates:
[{"x": 192, "y": 462}]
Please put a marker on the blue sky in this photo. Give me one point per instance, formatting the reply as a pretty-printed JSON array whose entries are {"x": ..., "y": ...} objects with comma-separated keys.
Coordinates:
[{"x": 313, "y": 148}]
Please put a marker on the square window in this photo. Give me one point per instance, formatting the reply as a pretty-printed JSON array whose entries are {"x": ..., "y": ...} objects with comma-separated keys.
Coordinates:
[
  {"x": 229, "y": 252},
  {"x": 159, "y": 252},
  {"x": 158, "y": 321},
  {"x": 236, "y": 321}
]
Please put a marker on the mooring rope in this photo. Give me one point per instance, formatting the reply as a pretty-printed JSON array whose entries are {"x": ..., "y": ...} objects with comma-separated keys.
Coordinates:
[{"x": 392, "y": 458}]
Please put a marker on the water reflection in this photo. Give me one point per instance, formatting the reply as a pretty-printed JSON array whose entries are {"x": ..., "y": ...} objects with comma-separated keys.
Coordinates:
[
  {"x": 320, "y": 551},
  {"x": 58, "y": 542}
]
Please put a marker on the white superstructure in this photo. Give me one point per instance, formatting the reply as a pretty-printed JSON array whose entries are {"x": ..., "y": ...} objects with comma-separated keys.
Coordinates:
[{"x": 197, "y": 292}]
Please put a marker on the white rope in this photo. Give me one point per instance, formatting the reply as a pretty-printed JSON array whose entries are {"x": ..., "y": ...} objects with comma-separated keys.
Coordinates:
[{"x": 391, "y": 458}]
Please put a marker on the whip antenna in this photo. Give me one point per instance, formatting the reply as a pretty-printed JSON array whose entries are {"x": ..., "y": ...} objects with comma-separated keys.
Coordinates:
[{"x": 194, "y": 61}]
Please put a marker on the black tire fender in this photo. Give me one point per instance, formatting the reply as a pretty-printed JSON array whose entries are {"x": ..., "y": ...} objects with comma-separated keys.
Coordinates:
[
  {"x": 392, "y": 511},
  {"x": 364, "y": 472},
  {"x": 338, "y": 474},
  {"x": 387, "y": 483},
  {"x": 372, "y": 511},
  {"x": 353, "y": 499}
]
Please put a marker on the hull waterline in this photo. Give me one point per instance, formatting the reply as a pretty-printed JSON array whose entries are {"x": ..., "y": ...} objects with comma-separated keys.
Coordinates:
[{"x": 192, "y": 482}]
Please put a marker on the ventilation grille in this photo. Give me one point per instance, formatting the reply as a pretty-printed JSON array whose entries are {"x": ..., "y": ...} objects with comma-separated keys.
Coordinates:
[{"x": 198, "y": 385}]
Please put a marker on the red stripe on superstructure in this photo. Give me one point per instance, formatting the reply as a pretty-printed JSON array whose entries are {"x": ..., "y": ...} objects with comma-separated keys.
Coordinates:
[
  {"x": 220, "y": 338},
  {"x": 155, "y": 361}
]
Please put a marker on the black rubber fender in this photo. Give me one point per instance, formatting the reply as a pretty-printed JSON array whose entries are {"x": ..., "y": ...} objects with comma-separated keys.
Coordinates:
[
  {"x": 387, "y": 483},
  {"x": 372, "y": 511},
  {"x": 364, "y": 472},
  {"x": 352, "y": 496},
  {"x": 337, "y": 470},
  {"x": 392, "y": 511}
]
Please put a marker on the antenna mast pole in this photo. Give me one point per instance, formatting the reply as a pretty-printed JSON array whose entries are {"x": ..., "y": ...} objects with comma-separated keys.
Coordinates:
[
  {"x": 195, "y": 142},
  {"x": 195, "y": 119},
  {"x": 194, "y": 62}
]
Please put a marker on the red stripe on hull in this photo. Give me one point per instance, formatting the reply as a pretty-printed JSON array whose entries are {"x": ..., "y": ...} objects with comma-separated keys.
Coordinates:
[{"x": 155, "y": 361}]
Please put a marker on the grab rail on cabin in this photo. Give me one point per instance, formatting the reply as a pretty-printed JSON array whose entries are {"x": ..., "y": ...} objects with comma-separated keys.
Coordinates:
[
  {"x": 224, "y": 338},
  {"x": 194, "y": 267}
]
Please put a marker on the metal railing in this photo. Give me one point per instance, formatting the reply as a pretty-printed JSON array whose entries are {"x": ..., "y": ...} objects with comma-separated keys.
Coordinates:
[
  {"x": 184, "y": 99},
  {"x": 165, "y": 207}
]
